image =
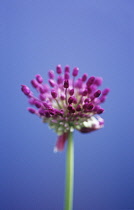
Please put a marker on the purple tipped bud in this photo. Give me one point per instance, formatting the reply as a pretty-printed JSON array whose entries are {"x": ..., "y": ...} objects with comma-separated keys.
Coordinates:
[
  {"x": 31, "y": 110},
  {"x": 42, "y": 89},
  {"x": 100, "y": 111},
  {"x": 70, "y": 100},
  {"x": 97, "y": 93},
  {"x": 91, "y": 89},
  {"x": 34, "y": 83},
  {"x": 32, "y": 101},
  {"x": 71, "y": 92},
  {"x": 75, "y": 71},
  {"x": 72, "y": 110},
  {"x": 62, "y": 97},
  {"x": 69, "y": 107},
  {"x": 66, "y": 76},
  {"x": 51, "y": 74},
  {"x": 42, "y": 112},
  {"x": 47, "y": 114},
  {"x": 38, "y": 104},
  {"x": 96, "y": 108},
  {"x": 90, "y": 106},
  {"x": 84, "y": 93},
  {"x": 85, "y": 106},
  {"x": 102, "y": 99},
  {"x": 67, "y": 69},
  {"x": 79, "y": 83},
  {"x": 75, "y": 100},
  {"x": 39, "y": 78},
  {"x": 25, "y": 90},
  {"x": 105, "y": 91},
  {"x": 86, "y": 100},
  {"x": 98, "y": 81},
  {"x": 52, "y": 82},
  {"x": 42, "y": 97},
  {"x": 84, "y": 77},
  {"x": 90, "y": 81},
  {"x": 60, "y": 80},
  {"x": 46, "y": 105},
  {"x": 78, "y": 108},
  {"x": 66, "y": 84},
  {"x": 54, "y": 94},
  {"x": 59, "y": 69}
]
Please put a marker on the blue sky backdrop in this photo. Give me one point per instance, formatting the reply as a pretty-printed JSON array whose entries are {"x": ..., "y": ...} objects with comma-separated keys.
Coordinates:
[{"x": 98, "y": 37}]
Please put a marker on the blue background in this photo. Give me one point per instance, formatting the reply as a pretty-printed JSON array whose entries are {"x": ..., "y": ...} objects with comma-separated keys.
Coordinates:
[{"x": 98, "y": 37}]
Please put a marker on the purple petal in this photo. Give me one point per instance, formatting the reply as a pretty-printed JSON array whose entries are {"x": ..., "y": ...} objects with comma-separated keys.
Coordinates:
[{"x": 61, "y": 142}]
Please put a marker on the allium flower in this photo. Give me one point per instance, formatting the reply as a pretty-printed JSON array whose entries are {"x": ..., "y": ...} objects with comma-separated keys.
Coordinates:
[{"x": 67, "y": 103}]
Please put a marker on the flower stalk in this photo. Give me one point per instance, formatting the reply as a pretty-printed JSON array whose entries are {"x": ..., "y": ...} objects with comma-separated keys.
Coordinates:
[{"x": 69, "y": 173}]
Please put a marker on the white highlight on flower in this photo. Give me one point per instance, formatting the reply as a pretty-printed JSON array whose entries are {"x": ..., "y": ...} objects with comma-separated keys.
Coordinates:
[{"x": 97, "y": 122}]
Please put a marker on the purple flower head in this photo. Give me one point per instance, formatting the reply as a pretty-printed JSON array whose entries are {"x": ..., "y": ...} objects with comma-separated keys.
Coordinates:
[{"x": 67, "y": 103}]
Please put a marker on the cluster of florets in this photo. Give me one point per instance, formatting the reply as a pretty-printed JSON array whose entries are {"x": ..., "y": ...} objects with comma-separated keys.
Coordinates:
[{"x": 68, "y": 103}]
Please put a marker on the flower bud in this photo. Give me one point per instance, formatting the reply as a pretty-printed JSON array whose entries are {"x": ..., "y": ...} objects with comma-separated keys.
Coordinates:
[
  {"x": 78, "y": 108},
  {"x": 25, "y": 90},
  {"x": 90, "y": 81},
  {"x": 62, "y": 97},
  {"x": 84, "y": 93},
  {"x": 69, "y": 107},
  {"x": 66, "y": 84},
  {"x": 105, "y": 91},
  {"x": 84, "y": 77},
  {"x": 52, "y": 82},
  {"x": 42, "y": 89},
  {"x": 51, "y": 74},
  {"x": 34, "y": 83},
  {"x": 90, "y": 106},
  {"x": 66, "y": 76},
  {"x": 86, "y": 100},
  {"x": 75, "y": 71},
  {"x": 31, "y": 110},
  {"x": 60, "y": 80},
  {"x": 39, "y": 78},
  {"x": 102, "y": 98},
  {"x": 59, "y": 69},
  {"x": 71, "y": 92},
  {"x": 98, "y": 81},
  {"x": 54, "y": 94},
  {"x": 97, "y": 93},
  {"x": 42, "y": 97},
  {"x": 70, "y": 100},
  {"x": 100, "y": 111},
  {"x": 38, "y": 104},
  {"x": 85, "y": 106},
  {"x": 67, "y": 69},
  {"x": 47, "y": 114}
]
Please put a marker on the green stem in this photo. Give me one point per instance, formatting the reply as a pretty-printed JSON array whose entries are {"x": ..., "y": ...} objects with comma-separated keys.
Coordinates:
[{"x": 69, "y": 173}]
